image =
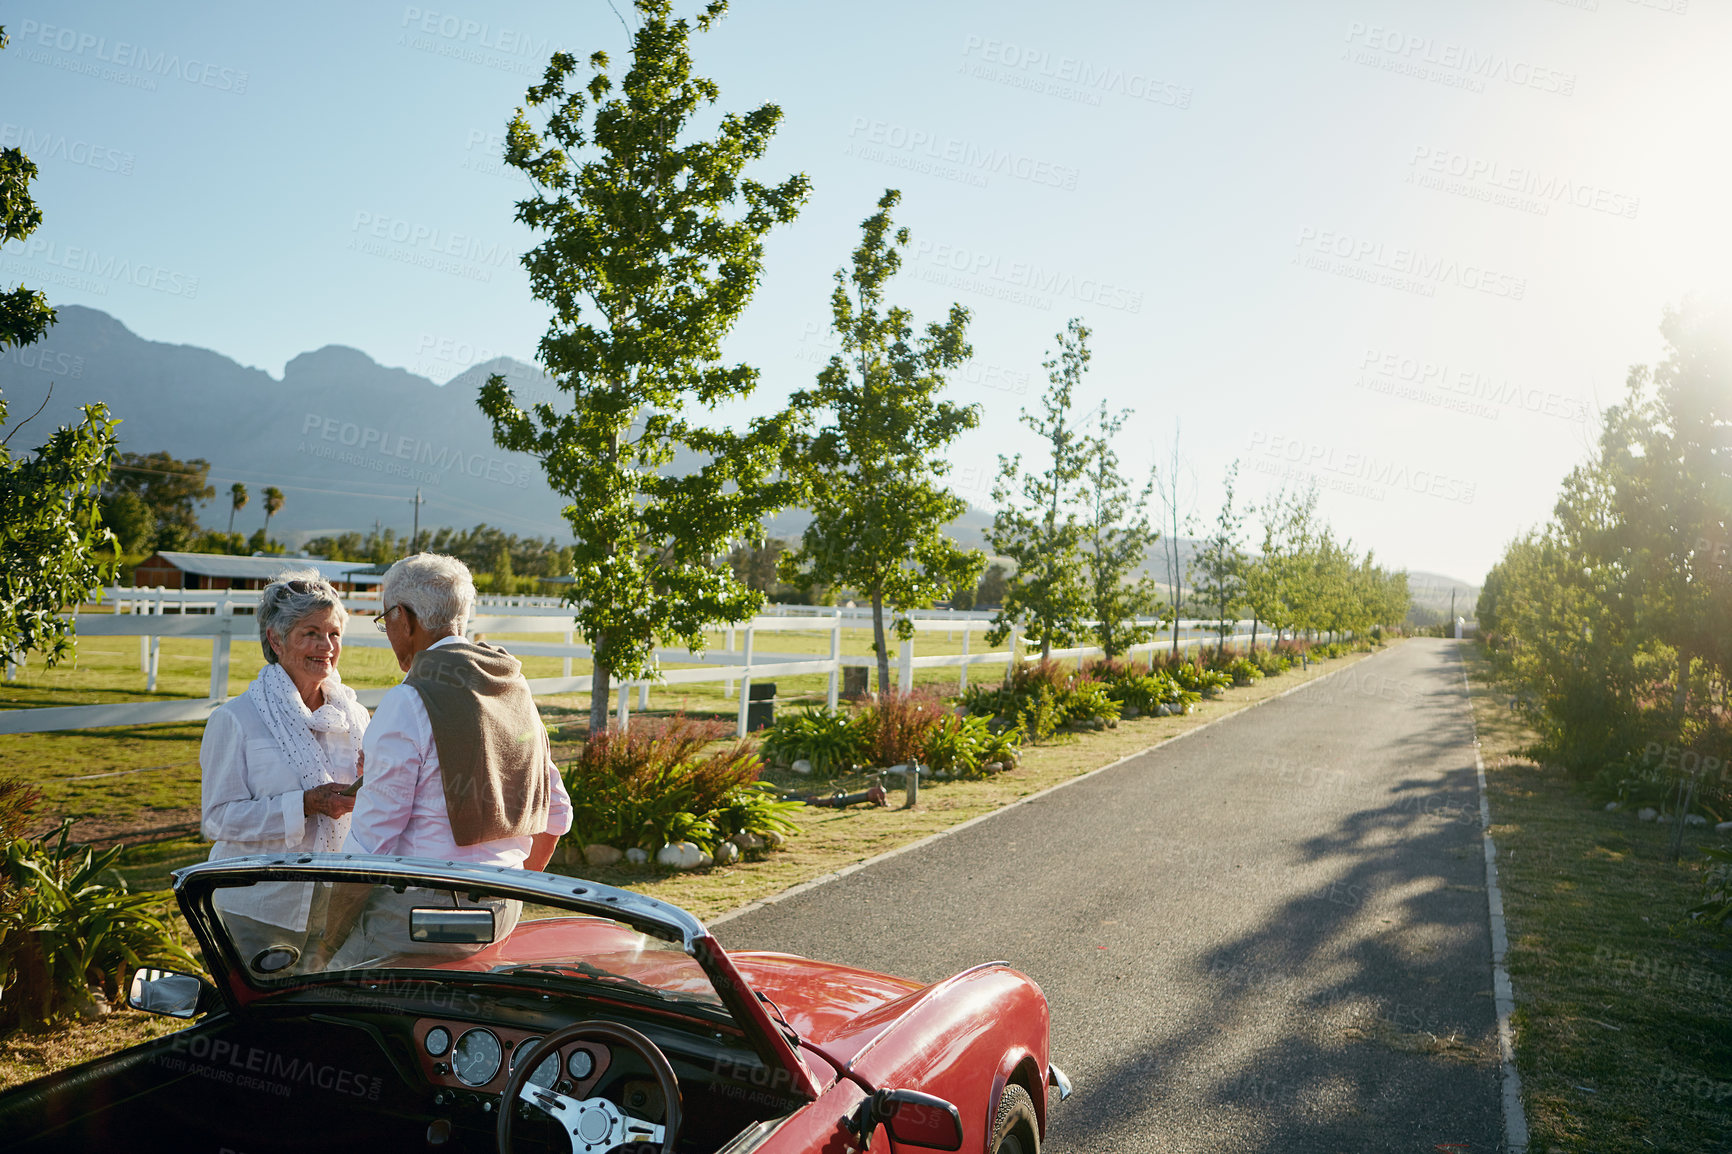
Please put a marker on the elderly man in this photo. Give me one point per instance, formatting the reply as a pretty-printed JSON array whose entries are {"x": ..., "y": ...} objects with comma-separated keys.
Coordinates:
[{"x": 457, "y": 763}]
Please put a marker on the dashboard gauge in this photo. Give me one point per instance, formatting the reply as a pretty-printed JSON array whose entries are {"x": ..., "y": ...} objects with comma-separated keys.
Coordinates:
[
  {"x": 580, "y": 1065},
  {"x": 438, "y": 1041},
  {"x": 546, "y": 1072},
  {"x": 476, "y": 1057}
]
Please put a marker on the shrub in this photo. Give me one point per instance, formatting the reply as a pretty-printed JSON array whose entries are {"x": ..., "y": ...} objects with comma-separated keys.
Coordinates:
[
  {"x": 834, "y": 741},
  {"x": 1243, "y": 670},
  {"x": 899, "y": 725},
  {"x": 71, "y": 924},
  {"x": 1041, "y": 717},
  {"x": 654, "y": 784},
  {"x": 1198, "y": 680},
  {"x": 1271, "y": 661},
  {"x": 1088, "y": 701},
  {"x": 1715, "y": 908}
]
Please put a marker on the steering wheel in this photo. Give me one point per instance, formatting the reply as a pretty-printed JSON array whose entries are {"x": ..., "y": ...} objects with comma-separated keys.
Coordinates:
[{"x": 594, "y": 1125}]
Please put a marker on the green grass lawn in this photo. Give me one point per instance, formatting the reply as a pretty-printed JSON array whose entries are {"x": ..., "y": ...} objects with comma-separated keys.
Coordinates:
[{"x": 1623, "y": 1016}]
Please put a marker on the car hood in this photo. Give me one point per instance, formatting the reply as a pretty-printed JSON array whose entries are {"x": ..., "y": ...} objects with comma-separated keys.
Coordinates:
[{"x": 840, "y": 1008}]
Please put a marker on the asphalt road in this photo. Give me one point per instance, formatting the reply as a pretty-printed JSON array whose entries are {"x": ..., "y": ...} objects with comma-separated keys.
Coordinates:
[{"x": 1270, "y": 935}]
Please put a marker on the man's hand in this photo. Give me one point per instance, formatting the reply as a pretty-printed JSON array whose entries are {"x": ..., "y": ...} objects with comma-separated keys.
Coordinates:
[{"x": 327, "y": 799}]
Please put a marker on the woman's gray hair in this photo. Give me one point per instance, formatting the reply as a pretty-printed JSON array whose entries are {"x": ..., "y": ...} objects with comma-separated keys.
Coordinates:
[
  {"x": 291, "y": 596},
  {"x": 436, "y": 588}
]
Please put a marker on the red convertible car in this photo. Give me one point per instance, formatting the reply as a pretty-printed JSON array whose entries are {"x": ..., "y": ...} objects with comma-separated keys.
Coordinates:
[{"x": 440, "y": 1006}]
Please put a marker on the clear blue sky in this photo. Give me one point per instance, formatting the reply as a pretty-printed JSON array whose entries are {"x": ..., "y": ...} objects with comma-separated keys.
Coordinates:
[{"x": 1406, "y": 249}]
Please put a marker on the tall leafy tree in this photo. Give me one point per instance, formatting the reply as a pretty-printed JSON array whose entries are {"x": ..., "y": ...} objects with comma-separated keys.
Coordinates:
[
  {"x": 874, "y": 468},
  {"x": 1217, "y": 569},
  {"x": 237, "y": 502},
  {"x": 54, "y": 550},
  {"x": 1117, "y": 537},
  {"x": 273, "y": 506},
  {"x": 168, "y": 487},
  {"x": 1041, "y": 532},
  {"x": 646, "y": 266}
]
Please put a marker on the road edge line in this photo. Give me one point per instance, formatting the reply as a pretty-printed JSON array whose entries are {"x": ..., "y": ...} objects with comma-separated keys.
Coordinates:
[
  {"x": 1515, "y": 1122},
  {"x": 836, "y": 875}
]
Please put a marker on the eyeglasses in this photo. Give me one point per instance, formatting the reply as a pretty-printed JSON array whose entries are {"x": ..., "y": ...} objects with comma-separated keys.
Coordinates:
[{"x": 379, "y": 621}]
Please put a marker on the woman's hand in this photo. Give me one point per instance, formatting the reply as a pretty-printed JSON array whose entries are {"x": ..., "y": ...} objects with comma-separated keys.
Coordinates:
[{"x": 327, "y": 799}]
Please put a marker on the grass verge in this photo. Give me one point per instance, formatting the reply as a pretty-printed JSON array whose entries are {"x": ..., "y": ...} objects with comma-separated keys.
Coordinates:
[
  {"x": 829, "y": 840},
  {"x": 1623, "y": 1022}
]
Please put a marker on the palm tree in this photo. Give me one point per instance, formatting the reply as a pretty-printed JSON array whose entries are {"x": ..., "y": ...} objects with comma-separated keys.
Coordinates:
[
  {"x": 273, "y": 502},
  {"x": 237, "y": 502}
]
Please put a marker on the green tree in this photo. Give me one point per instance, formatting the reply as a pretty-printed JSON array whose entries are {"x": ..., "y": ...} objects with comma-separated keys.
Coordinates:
[
  {"x": 1217, "y": 569},
  {"x": 273, "y": 506},
  {"x": 1042, "y": 535},
  {"x": 755, "y": 563},
  {"x": 169, "y": 487},
  {"x": 54, "y": 550},
  {"x": 1176, "y": 488},
  {"x": 646, "y": 271},
  {"x": 873, "y": 470},
  {"x": 237, "y": 502},
  {"x": 1116, "y": 540},
  {"x": 989, "y": 594}
]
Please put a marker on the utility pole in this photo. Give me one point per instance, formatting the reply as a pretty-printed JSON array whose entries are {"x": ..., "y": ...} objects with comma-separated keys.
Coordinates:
[{"x": 415, "y": 534}]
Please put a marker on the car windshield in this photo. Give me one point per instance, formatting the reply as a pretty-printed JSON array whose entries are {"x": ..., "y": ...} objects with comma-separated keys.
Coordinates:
[{"x": 283, "y": 932}]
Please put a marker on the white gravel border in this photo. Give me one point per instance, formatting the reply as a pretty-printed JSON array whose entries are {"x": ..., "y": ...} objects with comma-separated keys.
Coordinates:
[{"x": 1515, "y": 1121}]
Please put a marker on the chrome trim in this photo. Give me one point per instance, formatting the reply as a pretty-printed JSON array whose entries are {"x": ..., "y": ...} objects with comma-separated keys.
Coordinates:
[
  {"x": 658, "y": 918},
  {"x": 1056, "y": 1078}
]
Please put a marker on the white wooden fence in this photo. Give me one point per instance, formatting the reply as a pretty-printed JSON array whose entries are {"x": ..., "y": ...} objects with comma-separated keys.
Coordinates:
[{"x": 147, "y": 615}]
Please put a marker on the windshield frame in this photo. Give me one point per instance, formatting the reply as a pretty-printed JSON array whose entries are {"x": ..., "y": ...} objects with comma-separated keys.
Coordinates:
[{"x": 194, "y": 886}]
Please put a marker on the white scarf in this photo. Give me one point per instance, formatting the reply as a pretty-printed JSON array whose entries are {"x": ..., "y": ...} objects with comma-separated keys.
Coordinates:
[{"x": 292, "y": 724}]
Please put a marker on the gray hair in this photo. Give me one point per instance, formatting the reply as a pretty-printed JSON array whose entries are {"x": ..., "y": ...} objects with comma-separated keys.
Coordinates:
[
  {"x": 436, "y": 588},
  {"x": 293, "y": 595}
]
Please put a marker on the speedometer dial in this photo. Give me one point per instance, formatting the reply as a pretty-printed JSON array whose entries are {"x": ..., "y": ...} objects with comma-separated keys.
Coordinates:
[
  {"x": 546, "y": 1071},
  {"x": 475, "y": 1059}
]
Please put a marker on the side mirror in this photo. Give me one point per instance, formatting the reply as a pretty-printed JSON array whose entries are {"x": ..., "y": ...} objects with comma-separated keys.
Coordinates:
[
  {"x": 167, "y": 992},
  {"x": 912, "y": 1119}
]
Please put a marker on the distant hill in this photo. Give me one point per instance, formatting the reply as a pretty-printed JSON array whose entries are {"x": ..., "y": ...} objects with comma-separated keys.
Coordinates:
[{"x": 349, "y": 440}]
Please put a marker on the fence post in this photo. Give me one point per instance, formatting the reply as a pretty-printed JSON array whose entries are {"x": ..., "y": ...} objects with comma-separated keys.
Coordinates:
[
  {"x": 570, "y": 639},
  {"x": 745, "y": 681},
  {"x": 905, "y": 667},
  {"x": 962, "y": 678},
  {"x": 219, "y": 653},
  {"x": 835, "y": 660},
  {"x": 728, "y": 685},
  {"x": 642, "y": 696},
  {"x": 624, "y": 712},
  {"x": 155, "y": 655}
]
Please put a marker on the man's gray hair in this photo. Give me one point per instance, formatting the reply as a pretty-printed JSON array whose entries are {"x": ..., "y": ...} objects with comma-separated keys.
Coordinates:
[
  {"x": 436, "y": 588},
  {"x": 290, "y": 597}
]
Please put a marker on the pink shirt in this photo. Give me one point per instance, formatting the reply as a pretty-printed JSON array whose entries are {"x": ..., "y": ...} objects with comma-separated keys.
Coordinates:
[{"x": 401, "y": 808}]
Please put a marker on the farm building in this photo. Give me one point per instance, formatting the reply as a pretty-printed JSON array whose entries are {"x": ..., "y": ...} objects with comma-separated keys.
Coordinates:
[{"x": 223, "y": 571}]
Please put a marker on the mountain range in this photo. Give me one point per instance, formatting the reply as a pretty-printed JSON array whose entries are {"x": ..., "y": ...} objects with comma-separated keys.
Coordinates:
[{"x": 348, "y": 440}]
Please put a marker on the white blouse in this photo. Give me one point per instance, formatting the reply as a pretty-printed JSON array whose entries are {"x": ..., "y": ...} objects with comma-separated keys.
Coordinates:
[{"x": 252, "y": 804}]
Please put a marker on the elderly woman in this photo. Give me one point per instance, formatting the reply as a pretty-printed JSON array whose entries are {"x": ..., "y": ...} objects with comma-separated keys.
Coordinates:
[{"x": 278, "y": 758}]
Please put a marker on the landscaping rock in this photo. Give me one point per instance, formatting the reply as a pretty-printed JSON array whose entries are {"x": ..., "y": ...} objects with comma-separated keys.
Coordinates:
[
  {"x": 994, "y": 767},
  {"x": 801, "y": 766},
  {"x": 1724, "y": 827},
  {"x": 601, "y": 855},
  {"x": 1665, "y": 819},
  {"x": 1647, "y": 813},
  {"x": 636, "y": 856},
  {"x": 746, "y": 841},
  {"x": 1695, "y": 819},
  {"x": 1612, "y": 807},
  {"x": 774, "y": 840},
  {"x": 681, "y": 855},
  {"x": 727, "y": 853},
  {"x": 1130, "y": 713}
]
